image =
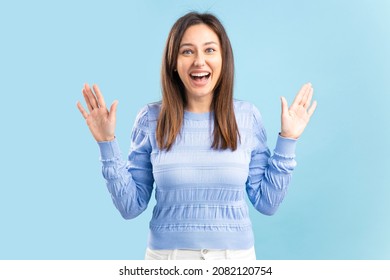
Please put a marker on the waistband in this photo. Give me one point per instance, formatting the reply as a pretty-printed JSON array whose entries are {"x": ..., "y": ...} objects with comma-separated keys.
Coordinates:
[
  {"x": 200, "y": 254},
  {"x": 221, "y": 240}
]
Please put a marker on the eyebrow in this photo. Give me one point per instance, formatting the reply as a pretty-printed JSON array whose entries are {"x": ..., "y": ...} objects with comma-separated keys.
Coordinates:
[{"x": 205, "y": 44}]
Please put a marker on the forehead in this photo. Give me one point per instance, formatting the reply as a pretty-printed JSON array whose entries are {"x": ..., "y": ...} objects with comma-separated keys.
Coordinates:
[{"x": 199, "y": 34}]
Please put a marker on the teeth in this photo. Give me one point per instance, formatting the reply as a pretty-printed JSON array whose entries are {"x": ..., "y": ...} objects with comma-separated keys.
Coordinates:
[{"x": 199, "y": 74}]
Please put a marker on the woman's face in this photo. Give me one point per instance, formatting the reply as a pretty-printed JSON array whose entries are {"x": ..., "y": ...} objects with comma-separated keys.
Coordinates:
[{"x": 199, "y": 62}]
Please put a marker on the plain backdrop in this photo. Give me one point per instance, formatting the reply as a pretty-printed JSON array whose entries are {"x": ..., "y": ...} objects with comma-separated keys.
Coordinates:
[{"x": 53, "y": 200}]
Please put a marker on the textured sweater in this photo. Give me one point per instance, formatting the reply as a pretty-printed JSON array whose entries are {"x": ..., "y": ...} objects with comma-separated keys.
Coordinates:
[{"x": 200, "y": 192}]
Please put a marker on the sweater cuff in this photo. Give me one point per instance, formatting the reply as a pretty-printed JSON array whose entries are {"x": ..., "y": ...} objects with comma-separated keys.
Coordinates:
[
  {"x": 285, "y": 147},
  {"x": 109, "y": 150}
]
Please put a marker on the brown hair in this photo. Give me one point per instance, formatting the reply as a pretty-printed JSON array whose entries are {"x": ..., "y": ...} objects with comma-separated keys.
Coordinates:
[{"x": 174, "y": 99}]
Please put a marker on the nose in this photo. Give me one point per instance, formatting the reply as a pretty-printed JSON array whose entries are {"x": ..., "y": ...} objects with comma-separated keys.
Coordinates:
[{"x": 199, "y": 60}]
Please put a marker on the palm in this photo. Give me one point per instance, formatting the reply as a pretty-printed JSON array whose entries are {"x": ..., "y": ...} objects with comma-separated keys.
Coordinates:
[
  {"x": 100, "y": 121},
  {"x": 296, "y": 118}
]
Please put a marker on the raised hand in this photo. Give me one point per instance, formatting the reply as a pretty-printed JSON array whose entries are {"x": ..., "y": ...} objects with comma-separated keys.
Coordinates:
[
  {"x": 295, "y": 118},
  {"x": 100, "y": 121}
]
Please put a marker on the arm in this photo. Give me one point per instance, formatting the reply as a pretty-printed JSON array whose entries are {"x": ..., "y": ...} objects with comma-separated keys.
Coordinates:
[
  {"x": 269, "y": 175},
  {"x": 131, "y": 183}
]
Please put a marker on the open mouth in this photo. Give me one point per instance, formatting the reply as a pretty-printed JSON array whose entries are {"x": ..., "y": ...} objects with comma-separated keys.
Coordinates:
[{"x": 200, "y": 76}]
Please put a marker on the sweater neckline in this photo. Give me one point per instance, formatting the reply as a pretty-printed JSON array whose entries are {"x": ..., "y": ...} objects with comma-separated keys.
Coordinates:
[{"x": 198, "y": 116}]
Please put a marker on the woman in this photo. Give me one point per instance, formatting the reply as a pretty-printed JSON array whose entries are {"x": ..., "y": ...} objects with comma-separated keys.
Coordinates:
[{"x": 201, "y": 148}]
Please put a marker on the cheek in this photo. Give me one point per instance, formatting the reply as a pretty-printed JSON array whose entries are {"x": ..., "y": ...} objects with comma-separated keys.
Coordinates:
[
  {"x": 182, "y": 65},
  {"x": 182, "y": 76},
  {"x": 180, "y": 71},
  {"x": 216, "y": 64},
  {"x": 217, "y": 69}
]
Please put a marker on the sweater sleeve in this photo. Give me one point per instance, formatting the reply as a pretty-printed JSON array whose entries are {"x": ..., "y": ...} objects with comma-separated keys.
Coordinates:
[
  {"x": 269, "y": 176},
  {"x": 129, "y": 183}
]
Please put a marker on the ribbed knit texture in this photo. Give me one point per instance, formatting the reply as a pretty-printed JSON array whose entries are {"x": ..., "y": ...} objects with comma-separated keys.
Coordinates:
[{"x": 200, "y": 192}]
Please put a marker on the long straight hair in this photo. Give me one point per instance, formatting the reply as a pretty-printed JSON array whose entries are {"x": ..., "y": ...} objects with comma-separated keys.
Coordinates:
[{"x": 174, "y": 98}]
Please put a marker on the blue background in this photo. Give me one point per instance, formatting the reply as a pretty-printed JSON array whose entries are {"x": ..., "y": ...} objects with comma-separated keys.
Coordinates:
[{"x": 53, "y": 200}]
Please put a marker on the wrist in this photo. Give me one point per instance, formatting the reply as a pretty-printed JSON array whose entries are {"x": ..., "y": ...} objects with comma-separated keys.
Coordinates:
[
  {"x": 105, "y": 139},
  {"x": 290, "y": 136}
]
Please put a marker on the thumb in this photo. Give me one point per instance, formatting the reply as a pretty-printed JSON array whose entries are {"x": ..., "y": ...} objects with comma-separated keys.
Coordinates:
[
  {"x": 284, "y": 105},
  {"x": 113, "y": 107}
]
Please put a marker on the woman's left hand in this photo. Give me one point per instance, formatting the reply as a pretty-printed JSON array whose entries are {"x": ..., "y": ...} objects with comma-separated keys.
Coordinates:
[{"x": 295, "y": 118}]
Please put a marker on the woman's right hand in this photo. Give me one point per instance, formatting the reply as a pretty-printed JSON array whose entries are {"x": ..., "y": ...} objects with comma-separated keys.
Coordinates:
[{"x": 100, "y": 121}]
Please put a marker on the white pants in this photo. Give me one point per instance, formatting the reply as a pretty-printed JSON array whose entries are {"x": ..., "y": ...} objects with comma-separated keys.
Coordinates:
[{"x": 203, "y": 254}]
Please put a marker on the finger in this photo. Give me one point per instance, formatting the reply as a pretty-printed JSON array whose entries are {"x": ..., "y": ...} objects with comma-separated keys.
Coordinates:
[
  {"x": 81, "y": 109},
  {"x": 308, "y": 100},
  {"x": 284, "y": 105},
  {"x": 305, "y": 96},
  {"x": 91, "y": 96},
  {"x": 99, "y": 96},
  {"x": 300, "y": 94},
  {"x": 312, "y": 108},
  {"x": 113, "y": 107},
  {"x": 86, "y": 98}
]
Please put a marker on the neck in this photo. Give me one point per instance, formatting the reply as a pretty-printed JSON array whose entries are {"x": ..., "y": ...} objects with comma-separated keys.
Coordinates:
[{"x": 201, "y": 105}]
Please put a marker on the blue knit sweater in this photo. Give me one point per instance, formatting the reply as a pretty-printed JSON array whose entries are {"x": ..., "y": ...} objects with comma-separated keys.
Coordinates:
[{"x": 200, "y": 192}]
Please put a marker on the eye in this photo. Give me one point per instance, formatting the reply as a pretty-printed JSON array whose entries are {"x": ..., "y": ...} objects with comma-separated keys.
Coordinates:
[
  {"x": 187, "y": 52},
  {"x": 210, "y": 50}
]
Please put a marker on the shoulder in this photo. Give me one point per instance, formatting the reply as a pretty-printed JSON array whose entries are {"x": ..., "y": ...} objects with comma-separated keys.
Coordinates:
[
  {"x": 241, "y": 106},
  {"x": 148, "y": 114},
  {"x": 247, "y": 110},
  {"x": 151, "y": 111}
]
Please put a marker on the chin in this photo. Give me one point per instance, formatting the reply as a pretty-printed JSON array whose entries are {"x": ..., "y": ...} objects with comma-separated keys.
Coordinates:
[{"x": 200, "y": 94}]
